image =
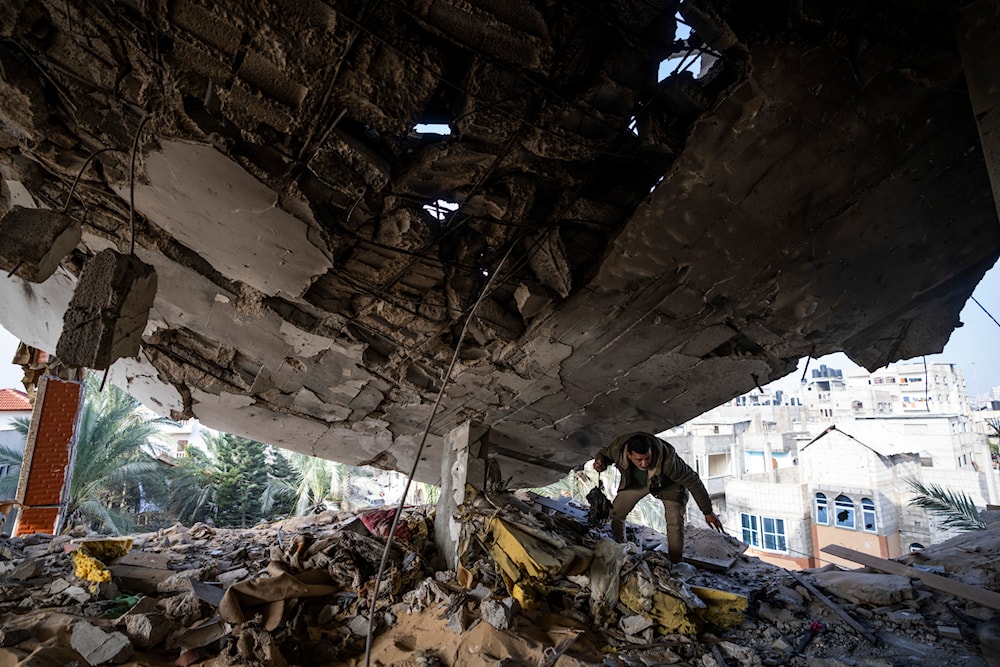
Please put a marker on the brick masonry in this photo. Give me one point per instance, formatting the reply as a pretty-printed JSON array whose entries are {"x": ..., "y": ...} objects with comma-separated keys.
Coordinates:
[{"x": 47, "y": 456}]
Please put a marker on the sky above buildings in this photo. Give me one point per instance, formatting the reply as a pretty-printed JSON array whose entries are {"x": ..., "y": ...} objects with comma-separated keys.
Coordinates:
[{"x": 974, "y": 348}]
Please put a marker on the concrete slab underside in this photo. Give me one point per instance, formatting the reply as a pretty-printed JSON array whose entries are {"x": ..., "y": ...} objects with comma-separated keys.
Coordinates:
[{"x": 822, "y": 188}]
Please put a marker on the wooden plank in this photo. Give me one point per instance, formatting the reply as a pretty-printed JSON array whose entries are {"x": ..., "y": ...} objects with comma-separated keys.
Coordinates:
[
  {"x": 847, "y": 618},
  {"x": 980, "y": 596}
]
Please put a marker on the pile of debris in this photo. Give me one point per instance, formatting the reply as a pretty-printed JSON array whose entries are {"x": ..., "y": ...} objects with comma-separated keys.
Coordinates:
[{"x": 536, "y": 585}]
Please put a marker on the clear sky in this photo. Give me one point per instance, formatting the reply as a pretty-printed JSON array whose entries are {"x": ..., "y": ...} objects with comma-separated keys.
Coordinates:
[{"x": 974, "y": 347}]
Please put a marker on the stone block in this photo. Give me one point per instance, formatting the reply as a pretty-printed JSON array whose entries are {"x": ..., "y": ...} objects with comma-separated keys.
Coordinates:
[
  {"x": 108, "y": 311},
  {"x": 34, "y": 240}
]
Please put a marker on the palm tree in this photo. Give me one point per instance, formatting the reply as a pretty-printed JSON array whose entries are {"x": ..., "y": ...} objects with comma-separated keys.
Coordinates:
[
  {"x": 113, "y": 447},
  {"x": 310, "y": 485},
  {"x": 11, "y": 457},
  {"x": 194, "y": 486},
  {"x": 957, "y": 510}
]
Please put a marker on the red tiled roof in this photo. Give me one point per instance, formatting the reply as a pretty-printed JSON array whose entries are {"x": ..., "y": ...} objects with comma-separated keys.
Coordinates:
[{"x": 12, "y": 400}]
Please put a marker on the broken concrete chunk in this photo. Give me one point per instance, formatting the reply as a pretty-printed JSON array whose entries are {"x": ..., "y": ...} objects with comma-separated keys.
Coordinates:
[
  {"x": 28, "y": 569},
  {"x": 633, "y": 625},
  {"x": 498, "y": 613},
  {"x": 99, "y": 647},
  {"x": 108, "y": 311},
  {"x": 359, "y": 626},
  {"x": 33, "y": 241},
  {"x": 147, "y": 630},
  {"x": 77, "y": 593},
  {"x": 744, "y": 655},
  {"x": 229, "y": 578},
  {"x": 876, "y": 590}
]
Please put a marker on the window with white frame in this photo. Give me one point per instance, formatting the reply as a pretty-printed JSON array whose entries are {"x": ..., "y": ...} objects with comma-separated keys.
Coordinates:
[
  {"x": 751, "y": 535},
  {"x": 773, "y": 533},
  {"x": 822, "y": 510},
  {"x": 843, "y": 512},
  {"x": 764, "y": 532},
  {"x": 868, "y": 523}
]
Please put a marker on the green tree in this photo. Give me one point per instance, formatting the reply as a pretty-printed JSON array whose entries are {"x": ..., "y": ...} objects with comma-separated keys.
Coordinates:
[
  {"x": 241, "y": 479},
  {"x": 112, "y": 463},
  {"x": 309, "y": 484},
  {"x": 194, "y": 488},
  {"x": 13, "y": 458}
]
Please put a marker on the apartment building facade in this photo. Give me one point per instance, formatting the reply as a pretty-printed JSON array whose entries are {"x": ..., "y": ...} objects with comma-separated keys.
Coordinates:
[{"x": 836, "y": 469}]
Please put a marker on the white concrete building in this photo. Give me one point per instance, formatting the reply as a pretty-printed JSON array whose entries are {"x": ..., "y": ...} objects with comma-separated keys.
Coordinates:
[
  {"x": 910, "y": 388},
  {"x": 13, "y": 404},
  {"x": 834, "y": 471}
]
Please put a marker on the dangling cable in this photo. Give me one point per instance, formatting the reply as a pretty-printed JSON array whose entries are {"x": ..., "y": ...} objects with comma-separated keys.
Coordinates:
[
  {"x": 131, "y": 186},
  {"x": 985, "y": 311},
  {"x": 79, "y": 174},
  {"x": 420, "y": 449}
]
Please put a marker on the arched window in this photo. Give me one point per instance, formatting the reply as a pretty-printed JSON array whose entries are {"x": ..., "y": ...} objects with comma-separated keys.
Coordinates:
[
  {"x": 915, "y": 547},
  {"x": 868, "y": 523},
  {"x": 822, "y": 510},
  {"x": 843, "y": 512}
]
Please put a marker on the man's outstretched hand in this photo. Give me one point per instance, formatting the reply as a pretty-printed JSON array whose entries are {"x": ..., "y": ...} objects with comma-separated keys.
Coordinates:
[
  {"x": 714, "y": 522},
  {"x": 600, "y": 465}
]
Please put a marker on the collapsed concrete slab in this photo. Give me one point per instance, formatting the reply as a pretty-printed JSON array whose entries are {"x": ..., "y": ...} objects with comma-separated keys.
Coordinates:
[
  {"x": 33, "y": 241},
  {"x": 108, "y": 313},
  {"x": 624, "y": 247}
]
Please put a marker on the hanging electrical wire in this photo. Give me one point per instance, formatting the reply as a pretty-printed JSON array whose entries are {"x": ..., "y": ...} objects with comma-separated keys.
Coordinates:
[{"x": 417, "y": 455}]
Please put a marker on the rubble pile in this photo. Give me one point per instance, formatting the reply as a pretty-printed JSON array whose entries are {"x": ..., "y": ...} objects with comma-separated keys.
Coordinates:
[{"x": 536, "y": 585}]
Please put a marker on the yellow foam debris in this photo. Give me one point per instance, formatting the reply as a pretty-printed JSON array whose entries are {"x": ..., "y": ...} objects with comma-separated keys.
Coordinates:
[
  {"x": 722, "y": 608},
  {"x": 533, "y": 557},
  {"x": 529, "y": 563},
  {"x": 89, "y": 568},
  {"x": 670, "y": 613},
  {"x": 89, "y": 556}
]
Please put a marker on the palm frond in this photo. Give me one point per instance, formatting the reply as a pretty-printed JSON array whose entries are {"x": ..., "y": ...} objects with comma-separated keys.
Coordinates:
[
  {"x": 10, "y": 457},
  {"x": 8, "y": 485},
  {"x": 21, "y": 425},
  {"x": 956, "y": 510}
]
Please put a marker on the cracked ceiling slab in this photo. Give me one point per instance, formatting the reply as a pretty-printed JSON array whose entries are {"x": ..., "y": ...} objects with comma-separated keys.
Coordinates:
[{"x": 633, "y": 249}]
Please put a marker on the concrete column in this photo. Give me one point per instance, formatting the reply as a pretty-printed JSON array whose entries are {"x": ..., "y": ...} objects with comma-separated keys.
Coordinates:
[
  {"x": 43, "y": 487},
  {"x": 461, "y": 468}
]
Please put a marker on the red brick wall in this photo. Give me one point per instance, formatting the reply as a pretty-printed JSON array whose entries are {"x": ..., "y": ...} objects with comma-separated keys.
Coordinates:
[{"x": 47, "y": 455}]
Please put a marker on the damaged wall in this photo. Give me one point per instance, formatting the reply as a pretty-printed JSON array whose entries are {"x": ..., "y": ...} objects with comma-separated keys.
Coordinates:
[{"x": 819, "y": 186}]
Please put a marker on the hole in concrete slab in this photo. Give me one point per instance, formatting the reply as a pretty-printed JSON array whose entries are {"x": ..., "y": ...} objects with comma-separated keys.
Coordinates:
[
  {"x": 441, "y": 208},
  {"x": 688, "y": 54},
  {"x": 432, "y": 128},
  {"x": 633, "y": 125}
]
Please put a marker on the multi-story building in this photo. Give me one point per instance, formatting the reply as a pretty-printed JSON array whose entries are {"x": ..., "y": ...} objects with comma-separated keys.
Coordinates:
[
  {"x": 896, "y": 389},
  {"x": 836, "y": 470}
]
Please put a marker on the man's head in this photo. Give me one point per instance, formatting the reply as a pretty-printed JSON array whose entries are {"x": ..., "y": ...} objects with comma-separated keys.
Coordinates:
[{"x": 639, "y": 452}]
